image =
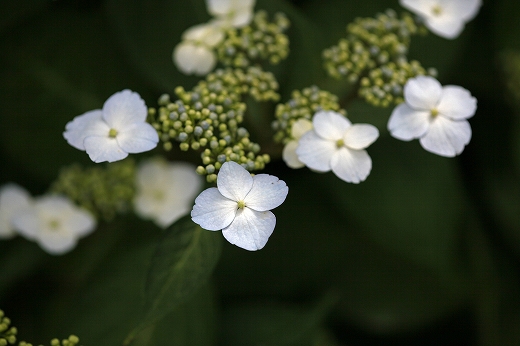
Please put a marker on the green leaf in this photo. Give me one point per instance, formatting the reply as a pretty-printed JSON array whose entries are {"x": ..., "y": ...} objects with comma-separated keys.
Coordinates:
[{"x": 183, "y": 261}]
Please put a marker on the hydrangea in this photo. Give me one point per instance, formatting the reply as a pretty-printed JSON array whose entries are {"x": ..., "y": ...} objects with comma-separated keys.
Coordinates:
[
  {"x": 165, "y": 191},
  {"x": 445, "y": 18},
  {"x": 13, "y": 199},
  {"x": 236, "y": 13},
  {"x": 55, "y": 223},
  {"x": 435, "y": 115},
  {"x": 240, "y": 206},
  {"x": 195, "y": 53},
  {"x": 298, "y": 129},
  {"x": 115, "y": 131},
  {"x": 335, "y": 144}
]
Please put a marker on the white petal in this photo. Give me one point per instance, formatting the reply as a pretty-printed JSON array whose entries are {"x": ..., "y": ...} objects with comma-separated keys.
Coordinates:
[
  {"x": 251, "y": 229},
  {"x": 234, "y": 181},
  {"x": 445, "y": 26},
  {"x": 212, "y": 211},
  {"x": 57, "y": 244},
  {"x": 315, "y": 152},
  {"x": 241, "y": 17},
  {"x": 88, "y": 124},
  {"x": 446, "y": 137},
  {"x": 124, "y": 107},
  {"x": 224, "y": 7},
  {"x": 300, "y": 127},
  {"x": 101, "y": 149},
  {"x": 352, "y": 166},
  {"x": 290, "y": 157},
  {"x": 192, "y": 58},
  {"x": 13, "y": 200},
  {"x": 26, "y": 222},
  {"x": 267, "y": 193},
  {"x": 330, "y": 125},
  {"x": 406, "y": 123},
  {"x": 419, "y": 7},
  {"x": 465, "y": 10},
  {"x": 360, "y": 136},
  {"x": 211, "y": 34},
  {"x": 422, "y": 92},
  {"x": 137, "y": 138},
  {"x": 457, "y": 103}
]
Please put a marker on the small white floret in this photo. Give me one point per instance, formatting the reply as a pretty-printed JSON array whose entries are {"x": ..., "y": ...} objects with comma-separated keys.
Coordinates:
[
  {"x": 236, "y": 13},
  {"x": 13, "y": 199},
  {"x": 117, "y": 130},
  {"x": 240, "y": 206},
  {"x": 298, "y": 129}
]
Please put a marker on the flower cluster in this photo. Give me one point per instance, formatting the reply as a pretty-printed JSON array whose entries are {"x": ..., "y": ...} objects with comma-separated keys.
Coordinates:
[
  {"x": 104, "y": 191},
  {"x": 196, "y": 53},
  {"x": 7, "y": 333},
  {"x": 261, "y": 40}
]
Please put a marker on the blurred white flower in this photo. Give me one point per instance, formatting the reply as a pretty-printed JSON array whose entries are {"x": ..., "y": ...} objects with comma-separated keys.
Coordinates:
[
  {"x": 13, "y": 199},
  {"x": 298, "y": 129},
  {"x": 115, "y": 131},
  {"x": 335, "y": 144},
  {"x": 435, "y": 115},
  {"x": 445, "y": 18},
  {"x": 195, "y": 54},
  {"x": 55, "y": 223},
  {"x": 240, "y": 205},
  {"x": 236, "y": 13},
  {"x": 165, "y": 191}
]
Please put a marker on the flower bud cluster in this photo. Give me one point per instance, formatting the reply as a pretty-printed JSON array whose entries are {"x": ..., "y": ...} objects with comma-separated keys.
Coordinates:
[
  {"x": 302, "y": 105},
  {"x": 7, "y": 333},
  {"x": 72, "y": 340},
  {"x": 383, "y": 87},
  {"x": 207, "y": 119},
  {"x": 260, "y": 40},
  {"x": 371, "y": 43},
  {"x": 104, "y": 191}
]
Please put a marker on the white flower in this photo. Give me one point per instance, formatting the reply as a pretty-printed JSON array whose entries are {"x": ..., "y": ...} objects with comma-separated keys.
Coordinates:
[
  {"x": 235, "y": 13},
  {"x": 195, "y": 54},
  {"x": 445, "y": 18},
  {"x": 335, "y": 144},
  {"x": 165, "y": 191},
  {"x": 298, "y": 129},
  {"x": 434, "y": 114},
  {"x": 13, "y": 199},
  {"x": 115, "y": 131},
  {"x": 240, "y": 205},
  {"x": 55, "y": 223}
]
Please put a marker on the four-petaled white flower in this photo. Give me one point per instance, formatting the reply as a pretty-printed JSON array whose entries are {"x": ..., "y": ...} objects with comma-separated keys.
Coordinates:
[
  {"x": 335, "y": 144},
  {"x": 445, "y": 18},
  {"x": 298, "y": 129},
  {"x": 165, "y": 191},
  {"x": 115, "y": 131},
  {"x": 236, "y": 13},
  {"x": 55, "y": 223},
  {"x": 240, "y": 206},
  {"x": 195, "y": 54},
  {"x": 434, "y": 114},
  {"x": 13, "y": 199}
]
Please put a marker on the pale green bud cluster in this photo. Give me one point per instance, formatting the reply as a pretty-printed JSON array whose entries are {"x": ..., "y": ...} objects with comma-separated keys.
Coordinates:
[
  {"x": 260, "y": 40},
  {"x": 72, "y": 340},
  {"x": 7, "y": 333},
  {"x": 103, "y": 190},
  {"x": 208, "y": 119},
  {"x": 384, "y": 85},
  {"x": 371, "y": 43},
  {"x": 302, "y": 105}
]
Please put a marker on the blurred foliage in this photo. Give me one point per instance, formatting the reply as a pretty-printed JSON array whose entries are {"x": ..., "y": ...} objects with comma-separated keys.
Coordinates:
[{"x": 425, "y": 252}]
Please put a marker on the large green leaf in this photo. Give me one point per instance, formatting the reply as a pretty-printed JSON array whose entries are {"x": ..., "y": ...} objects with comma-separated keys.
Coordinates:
[{"x": 183, "y": 261}]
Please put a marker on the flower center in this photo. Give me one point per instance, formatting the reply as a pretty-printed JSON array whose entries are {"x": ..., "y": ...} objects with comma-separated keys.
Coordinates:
[
  {"x": 241, "y": 204},
  {"x": 158, "y": 195},
  {"x": 434, "y": 112},
  {"x": 54, "y": 224},
  {"x": 437, "y": 10},
  {"x": 112, "y": 133},
  {"x": 340, "y": 143}
]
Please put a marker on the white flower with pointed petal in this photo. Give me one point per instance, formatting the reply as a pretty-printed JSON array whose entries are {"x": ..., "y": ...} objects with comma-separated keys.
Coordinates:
[
  {"x": 235, "y": 13},
  {"x": 335, "y": 144},
  {"x": 117, "y": 130},
  {"x": 434, "y": 114},
  {"x": 240, "y": 206},
  {"x": 165, "y": 191},
  {"x": 445, "y": 18},
  {"x": 55, "y": 223},
  {"x": 298, "y": 129},
  {"x": 13, "y": 199}
]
